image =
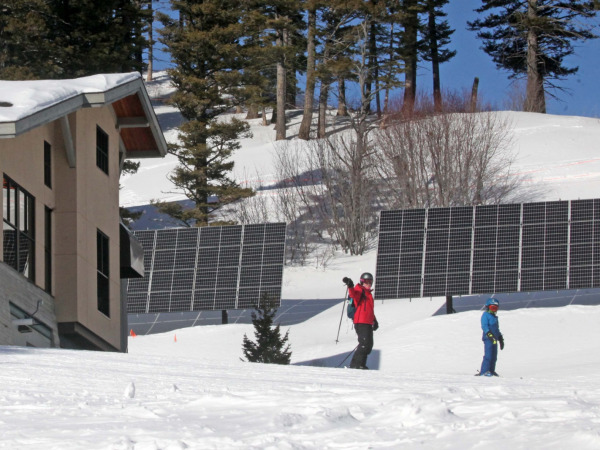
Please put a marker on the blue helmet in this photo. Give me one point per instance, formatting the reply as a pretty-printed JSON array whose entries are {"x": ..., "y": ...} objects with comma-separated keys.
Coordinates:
[{"x": 492, "y": 301}]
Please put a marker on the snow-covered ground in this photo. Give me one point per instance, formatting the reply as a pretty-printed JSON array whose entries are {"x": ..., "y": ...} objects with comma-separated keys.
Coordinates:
[{"x": 188, "y": 389}]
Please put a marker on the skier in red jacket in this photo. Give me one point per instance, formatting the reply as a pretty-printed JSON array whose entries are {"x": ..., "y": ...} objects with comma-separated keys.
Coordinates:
[{"x": 364, "y": 318}]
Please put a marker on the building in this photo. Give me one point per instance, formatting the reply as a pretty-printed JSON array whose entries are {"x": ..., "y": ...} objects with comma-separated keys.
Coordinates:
[{"x": 64, "y": 251}]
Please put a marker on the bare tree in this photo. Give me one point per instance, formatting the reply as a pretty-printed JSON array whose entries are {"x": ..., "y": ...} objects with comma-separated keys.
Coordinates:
[
  {"x": 295, "y": 201},
  {"x": 447, "y": 160}
]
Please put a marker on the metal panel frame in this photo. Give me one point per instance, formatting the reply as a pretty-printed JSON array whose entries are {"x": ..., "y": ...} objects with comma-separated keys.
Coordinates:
[
  {"x": 544, "y": 258},
  {"x": 241, "y": 264}
]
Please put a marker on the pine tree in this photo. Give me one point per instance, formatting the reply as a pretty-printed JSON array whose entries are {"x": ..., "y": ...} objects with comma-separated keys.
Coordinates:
[
  {"x": 26, "y": 47},
  {"x": 311, "y": 74},
  {"x": 436, "y": 37},
  {"x": 532, "y": 38},
  {"x": 68, "y": 39},
  {"x": 99, "y": 37},
  {"x": 274, "y": 26},
  {"x": 204, "y": 45},
  {"x": 270, "y": 347},
  {"x": 410, "y": 50}
]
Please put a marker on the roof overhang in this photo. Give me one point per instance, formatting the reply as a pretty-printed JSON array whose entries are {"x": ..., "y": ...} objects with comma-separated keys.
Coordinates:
[{"x": 137, "y": 123}]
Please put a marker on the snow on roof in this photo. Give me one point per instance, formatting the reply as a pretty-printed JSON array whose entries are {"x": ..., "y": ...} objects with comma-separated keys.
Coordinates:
[{"x": 19, "y": 99}]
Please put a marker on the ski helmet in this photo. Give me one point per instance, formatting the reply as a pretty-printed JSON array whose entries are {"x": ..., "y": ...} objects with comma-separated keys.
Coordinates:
[
  {"x": 492, "y": 304},
  {"x": 366, "y": 277}
]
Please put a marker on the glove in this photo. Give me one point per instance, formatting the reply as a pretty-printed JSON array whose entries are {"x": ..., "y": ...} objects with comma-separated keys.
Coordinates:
[
  {"x": 375, "y": 325},
  {"x": 348, "y": 282},
  {"x": 501, "y": 340},
  {"x": 491, "y": 337}
]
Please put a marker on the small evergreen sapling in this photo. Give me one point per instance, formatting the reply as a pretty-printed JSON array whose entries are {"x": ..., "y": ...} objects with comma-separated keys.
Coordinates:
[{"x": 270, "y": 347}]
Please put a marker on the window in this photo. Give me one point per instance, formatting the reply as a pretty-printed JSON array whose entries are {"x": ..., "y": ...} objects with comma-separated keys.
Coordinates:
[
  {"x": 102, "y": 150},
  {"x": 48, "y": 249},
  {"x": 47, "y": 164},
  {"x": 102, "y": 277},
  {"x": 38, "y": 335},
  {"x": 18, "y": 228}
]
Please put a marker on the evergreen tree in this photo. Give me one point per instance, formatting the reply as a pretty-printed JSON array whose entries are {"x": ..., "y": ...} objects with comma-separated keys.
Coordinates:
[
  {"x": 26, "y": 48},
  {"x": 532, "y": 38},
  {"x": 270, "y": 347},
  {"x": 334, "y": 57},
  {"x": 204, "y": 45},
  {"x": 409, "y": 50},
  {"x": 311, "y": 74},
  {"x": 68, "y": 39},
  {"x": 275, "y": 26},
  {"x": 436, "y": 37},
  {"x": 98, "y": 37}
]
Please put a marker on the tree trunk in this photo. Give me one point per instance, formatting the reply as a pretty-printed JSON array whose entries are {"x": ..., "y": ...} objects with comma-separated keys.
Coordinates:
[
  {"x": 323, "y": 95},
  {"x": 290, "y": 88},
  {"x": 535, "y": 100},
  {"x": 372, "y": 66},
  {"x": 474, "y": 94},
  {"x": 150, "y": 42},
  {"x": 435, "y": 60},
  {"x": 309, "y": 92},
  {"x": 252, "y": 112},
  {"x": 410, "y": 86},
  {"x": 322, "y": 123},
  {"x": 386, "y": 98},
  {"x": 342, "y": 110},
  {"x": 281, "y": 94},
  {"x": 410, "y": 62},
  {"x": 264, "y": 117}
]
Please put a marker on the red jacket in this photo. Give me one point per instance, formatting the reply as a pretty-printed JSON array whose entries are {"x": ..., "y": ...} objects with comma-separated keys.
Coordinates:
[{"x": 365, "y": 306}]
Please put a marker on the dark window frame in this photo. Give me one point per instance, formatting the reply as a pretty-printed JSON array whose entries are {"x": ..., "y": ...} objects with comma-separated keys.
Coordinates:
[
  {"x": 102, "y": 149},
  {"x": 48, "y": 164},
  {"x": 48, "y": 249},
  {"x": 19, "y": 219},
  {"x": 103, "y": 276}
]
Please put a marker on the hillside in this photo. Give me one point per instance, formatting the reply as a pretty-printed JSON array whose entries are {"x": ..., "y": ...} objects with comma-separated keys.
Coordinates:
[{"x": 556, "y": 154}]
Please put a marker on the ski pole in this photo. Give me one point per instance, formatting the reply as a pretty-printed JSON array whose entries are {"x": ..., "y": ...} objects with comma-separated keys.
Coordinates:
[
  {"x": 342, "y": 316},
  {"x": 347, "y": 356}
]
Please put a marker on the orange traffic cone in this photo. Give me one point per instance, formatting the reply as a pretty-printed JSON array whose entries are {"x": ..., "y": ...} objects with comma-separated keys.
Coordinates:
[
  {"x": 132, "y": 333},
  {"x": 175, "y": 340}
]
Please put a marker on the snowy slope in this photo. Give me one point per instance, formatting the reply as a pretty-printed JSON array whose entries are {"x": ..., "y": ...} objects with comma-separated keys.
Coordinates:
[
  {"x": 189, "y": 390},
  {"x": 558, "y": 155}
]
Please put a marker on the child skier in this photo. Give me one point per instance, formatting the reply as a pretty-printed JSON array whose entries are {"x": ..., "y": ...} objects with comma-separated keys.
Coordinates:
[{"x": 491, "y": 337}]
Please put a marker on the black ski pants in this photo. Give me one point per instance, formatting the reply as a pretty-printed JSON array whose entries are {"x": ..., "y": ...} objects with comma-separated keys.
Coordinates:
[{"x": 365, "y": 345}]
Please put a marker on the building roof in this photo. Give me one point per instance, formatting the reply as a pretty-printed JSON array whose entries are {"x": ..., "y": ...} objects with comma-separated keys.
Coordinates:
[{"x": 25, "y": 105}]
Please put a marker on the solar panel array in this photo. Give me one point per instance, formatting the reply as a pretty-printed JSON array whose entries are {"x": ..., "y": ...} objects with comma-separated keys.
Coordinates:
[
  {"x": 488, "y": 249},
  {"x": 207, "y": 268}
]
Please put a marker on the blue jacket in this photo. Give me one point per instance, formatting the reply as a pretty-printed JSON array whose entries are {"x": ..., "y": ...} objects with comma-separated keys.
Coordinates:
[{"x": 489, "y": 322}]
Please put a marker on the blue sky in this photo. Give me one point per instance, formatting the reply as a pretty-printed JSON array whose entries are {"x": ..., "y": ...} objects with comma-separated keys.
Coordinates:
[{"x": 581, "y": 95}]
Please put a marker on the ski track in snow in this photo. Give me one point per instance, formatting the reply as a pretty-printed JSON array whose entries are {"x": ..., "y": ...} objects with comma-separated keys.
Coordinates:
[{"x": 292, "y": 407}]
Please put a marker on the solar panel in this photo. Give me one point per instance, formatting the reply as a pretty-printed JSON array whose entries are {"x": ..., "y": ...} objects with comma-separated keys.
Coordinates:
[
  {"x": 488, "y": 249},
  {"x": 208, "y": 268}
]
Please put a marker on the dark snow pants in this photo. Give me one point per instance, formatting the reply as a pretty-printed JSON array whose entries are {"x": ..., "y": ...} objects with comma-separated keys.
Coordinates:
[
  {"x": 365, "y": 345},
  {"x": 489, "y": 357}
]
